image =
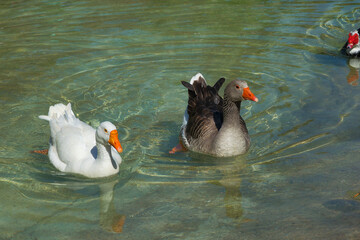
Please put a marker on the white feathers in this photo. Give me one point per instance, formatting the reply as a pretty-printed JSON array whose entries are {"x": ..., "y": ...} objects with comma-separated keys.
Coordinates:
[
  {"x": 353, "y": 32},
  {"x": 183, "y": 128},
  {"x": 44, "y": 117},
  {"x": 75, "y": 147},
  {"x": 355, "y": 50},
  {"x": 196, "y": 78},
  {"x": 60, "y": 111}
]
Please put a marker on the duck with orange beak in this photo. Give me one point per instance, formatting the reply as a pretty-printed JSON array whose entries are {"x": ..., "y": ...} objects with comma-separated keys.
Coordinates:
[
  {"x": 76, "y": 147},
  {"x": 212, "y": 125}
]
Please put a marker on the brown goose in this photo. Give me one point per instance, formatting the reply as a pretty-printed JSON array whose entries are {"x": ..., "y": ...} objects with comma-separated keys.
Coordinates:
[{"x": 213, "y": 125}]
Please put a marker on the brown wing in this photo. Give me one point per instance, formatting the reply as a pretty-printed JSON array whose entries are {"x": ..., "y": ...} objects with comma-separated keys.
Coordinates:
[{"x": 204, "y": 108}]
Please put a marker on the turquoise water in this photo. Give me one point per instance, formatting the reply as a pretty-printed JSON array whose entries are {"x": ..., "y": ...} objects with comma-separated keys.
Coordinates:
[{"x": 123, "y": 62}]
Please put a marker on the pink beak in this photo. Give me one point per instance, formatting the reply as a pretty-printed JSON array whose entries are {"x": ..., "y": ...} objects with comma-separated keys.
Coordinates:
[{"x": 350, "y": 45}]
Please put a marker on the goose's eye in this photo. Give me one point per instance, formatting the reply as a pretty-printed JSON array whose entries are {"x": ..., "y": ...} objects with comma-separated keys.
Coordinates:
[
  {"x": 105, "y": 130},
  {"x": 237, "y": 86}
]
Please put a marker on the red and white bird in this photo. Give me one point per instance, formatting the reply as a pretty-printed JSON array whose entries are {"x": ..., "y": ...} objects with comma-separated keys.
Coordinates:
[{"x": 352, "y": 46}]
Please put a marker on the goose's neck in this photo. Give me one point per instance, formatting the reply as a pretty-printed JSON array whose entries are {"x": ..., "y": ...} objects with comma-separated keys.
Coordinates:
[
  {"x": 103, "y": 152},
  {"x": 231, "y": 111},
  {"x": 104, "y": 155}
]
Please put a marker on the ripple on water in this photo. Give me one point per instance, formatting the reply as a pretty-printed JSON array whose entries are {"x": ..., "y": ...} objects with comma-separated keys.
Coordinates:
[
  {"x": 123, "y": 62},
  {"x": 332, "y": 30}
]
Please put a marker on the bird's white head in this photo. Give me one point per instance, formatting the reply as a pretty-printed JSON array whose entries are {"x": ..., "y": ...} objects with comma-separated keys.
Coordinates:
[{"x": 106, "y": 133}]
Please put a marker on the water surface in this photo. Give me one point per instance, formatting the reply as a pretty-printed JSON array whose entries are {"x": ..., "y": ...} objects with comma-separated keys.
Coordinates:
[{"x": 123, "y": 62}]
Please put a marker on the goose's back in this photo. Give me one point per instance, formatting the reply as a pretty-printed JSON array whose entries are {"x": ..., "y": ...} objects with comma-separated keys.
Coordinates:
[{"x": 205, "y": 115}]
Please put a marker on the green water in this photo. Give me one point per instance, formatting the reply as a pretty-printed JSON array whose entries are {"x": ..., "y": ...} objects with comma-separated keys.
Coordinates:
[{"x": 123, "y": 61}]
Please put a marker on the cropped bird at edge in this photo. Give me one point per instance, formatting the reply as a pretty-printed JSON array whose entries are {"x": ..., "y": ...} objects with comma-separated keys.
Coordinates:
[
  {"x": 212, "y": 125},
  {"x": 352, "y": 46},
  {"x": 76, "y": 147}
]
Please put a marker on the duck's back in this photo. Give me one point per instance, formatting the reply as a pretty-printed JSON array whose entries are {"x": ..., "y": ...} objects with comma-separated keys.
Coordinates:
[
  {"x": 205, "y": 115},
  {"x": 71, "y": 139},
  {"x": 70, "y": 146}
]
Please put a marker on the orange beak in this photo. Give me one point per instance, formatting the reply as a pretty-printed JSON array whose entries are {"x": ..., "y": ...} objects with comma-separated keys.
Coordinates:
[
  {"x": 114, "y": 141},
  {"x": 248, "y": 95}
]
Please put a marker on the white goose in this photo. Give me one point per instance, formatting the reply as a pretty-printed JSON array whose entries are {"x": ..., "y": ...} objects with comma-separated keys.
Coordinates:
[{"x": 76, "y": 147}]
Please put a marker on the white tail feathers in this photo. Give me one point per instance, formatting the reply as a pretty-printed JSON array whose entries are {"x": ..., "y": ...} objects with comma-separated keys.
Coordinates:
[
  {"x": 59, "y": 111},
  {"x": 44, "y": 117},
  {"x": 196, "y": 77}
]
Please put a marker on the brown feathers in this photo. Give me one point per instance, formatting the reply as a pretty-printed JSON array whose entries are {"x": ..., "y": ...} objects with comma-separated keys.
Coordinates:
[
  {"x": 213, "y": 125},
  {"x": 204, "y": 107}
]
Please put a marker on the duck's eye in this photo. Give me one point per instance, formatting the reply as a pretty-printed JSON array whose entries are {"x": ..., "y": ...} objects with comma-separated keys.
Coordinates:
[
  {"x": 237, "y": 86},
  {"x": 105, "y": 130}
]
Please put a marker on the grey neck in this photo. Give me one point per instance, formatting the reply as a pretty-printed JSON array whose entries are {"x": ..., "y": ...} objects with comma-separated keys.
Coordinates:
[{"x": 231, "y": 111}]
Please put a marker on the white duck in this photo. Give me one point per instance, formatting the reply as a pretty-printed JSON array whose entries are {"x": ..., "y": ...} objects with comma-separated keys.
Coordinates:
[{"x": 76, "y": 147}]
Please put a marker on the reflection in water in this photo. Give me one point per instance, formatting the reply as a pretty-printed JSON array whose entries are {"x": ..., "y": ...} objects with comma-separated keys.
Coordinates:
[
  {"x": 110, "y": 220},
  {"x": 124, "y": 61},
  {"x": 232, "y": 199},
  {"x": 231, "y": 182},
  {"x": 66, "y": 196},
  {"x": 353, "y": 76},
  {"x": 343, "y": 205}
]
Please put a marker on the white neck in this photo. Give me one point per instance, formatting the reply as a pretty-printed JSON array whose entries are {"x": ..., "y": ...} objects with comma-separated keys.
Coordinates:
[
  {"x": 103, "y": 165},
  {"x": 103, "y": 153}
]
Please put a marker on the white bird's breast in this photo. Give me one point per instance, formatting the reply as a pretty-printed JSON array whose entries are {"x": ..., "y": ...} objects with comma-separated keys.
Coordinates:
[{"x": 355, "y": 50}]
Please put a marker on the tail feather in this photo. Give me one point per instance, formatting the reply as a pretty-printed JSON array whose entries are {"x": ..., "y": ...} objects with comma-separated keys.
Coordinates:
[
  {"x": 59, "y": 111},
  {"x": 192, "y": 95},
  {"x": 198, "y": 83},
  {"x": 200, "y": 87},
  {"x": 69, "y": 114},
  {"x": 44, "y": 117},
  {"x": 59, "y": 116},
  {"x": 196, "y": 78},
  {"x": 201, "y": 94},
  {"x": 202, "y": 97},
  {"x": 218, "y": 84}
]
